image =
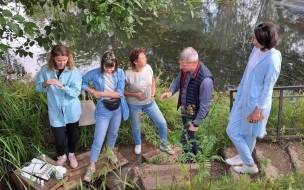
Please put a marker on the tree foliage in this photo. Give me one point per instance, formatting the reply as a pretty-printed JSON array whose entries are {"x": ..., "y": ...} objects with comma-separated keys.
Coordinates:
[{"x": 97, "y": 16}]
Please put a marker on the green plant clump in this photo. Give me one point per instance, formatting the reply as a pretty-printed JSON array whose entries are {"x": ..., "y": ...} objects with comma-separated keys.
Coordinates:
[{"x": 25, "y": 133}]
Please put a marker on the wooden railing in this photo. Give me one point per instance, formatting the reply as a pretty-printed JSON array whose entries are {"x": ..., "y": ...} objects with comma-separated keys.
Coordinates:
[{"x": 280, "y": 96}]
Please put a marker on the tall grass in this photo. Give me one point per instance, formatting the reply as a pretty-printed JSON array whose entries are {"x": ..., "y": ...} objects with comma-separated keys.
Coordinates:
[
  {"x": 289, "y": 181},
  {"x": 25, "y": 132},
  {"x": 24, "y": 128}
]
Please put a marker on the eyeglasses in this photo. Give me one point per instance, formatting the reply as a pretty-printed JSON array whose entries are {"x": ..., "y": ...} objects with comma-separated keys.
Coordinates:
[{"x": 262, "y": 26}]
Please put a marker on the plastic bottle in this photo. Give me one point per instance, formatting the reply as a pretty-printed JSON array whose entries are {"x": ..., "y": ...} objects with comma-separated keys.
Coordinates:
[
  {"x": 58, "y": 175},
  {"x": 43, "y": 157}
]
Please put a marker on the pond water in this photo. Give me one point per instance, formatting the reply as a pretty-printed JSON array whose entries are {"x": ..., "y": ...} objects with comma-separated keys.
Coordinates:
[{"x": 220, "y": 32}]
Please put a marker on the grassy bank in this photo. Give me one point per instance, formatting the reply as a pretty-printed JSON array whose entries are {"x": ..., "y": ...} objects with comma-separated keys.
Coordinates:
[{"x": 25, "y": 132}]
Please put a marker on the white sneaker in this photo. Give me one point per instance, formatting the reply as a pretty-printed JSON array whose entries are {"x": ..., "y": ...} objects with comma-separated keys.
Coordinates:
[
  {"x": 61, "y": 160},
  {"x": 167, "y": 149},
  {"x": 89, "y": 175},
  {"x": 137, "y": 149},
  {"x": 73, "y": 161},
  {"x": 246, "y": 169},
  {"x": 111, "y": 156},
  {"x": 234, "y": 161}
]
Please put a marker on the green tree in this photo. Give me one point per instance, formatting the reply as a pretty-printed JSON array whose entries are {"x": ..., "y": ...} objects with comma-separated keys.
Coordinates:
[{"x": 97, "y": 16}]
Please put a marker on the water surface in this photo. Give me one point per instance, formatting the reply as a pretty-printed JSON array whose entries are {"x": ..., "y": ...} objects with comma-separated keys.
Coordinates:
[{"x": 220, "y": 32}]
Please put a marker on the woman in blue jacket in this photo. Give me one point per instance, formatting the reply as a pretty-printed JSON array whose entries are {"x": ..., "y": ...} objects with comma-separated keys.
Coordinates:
[
  {"x": 254, "y": 97},
  {"x": 108, "y": 83},
  {"x": 61, "y": 80}
]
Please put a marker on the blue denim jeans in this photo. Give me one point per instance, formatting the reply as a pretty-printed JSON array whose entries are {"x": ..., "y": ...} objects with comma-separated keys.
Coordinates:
[
  {"x": 188, "y": 138},
  {"x": 155, "y": 115},
  {"x": 105, "y": 121}
]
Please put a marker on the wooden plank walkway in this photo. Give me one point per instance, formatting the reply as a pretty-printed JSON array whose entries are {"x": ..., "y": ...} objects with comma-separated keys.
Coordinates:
[{"x": 73, "y": 177}]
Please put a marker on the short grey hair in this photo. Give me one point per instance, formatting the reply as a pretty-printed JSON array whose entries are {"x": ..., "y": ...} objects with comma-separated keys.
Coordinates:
[{"x": 189, "y": 54}]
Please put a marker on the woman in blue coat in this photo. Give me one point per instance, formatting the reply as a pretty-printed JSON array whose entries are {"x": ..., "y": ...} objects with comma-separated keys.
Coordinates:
[
  {"x": 61, "y": 80},
  {"x": 254, "y": 97},
  {"x": 108, "y": 83}
]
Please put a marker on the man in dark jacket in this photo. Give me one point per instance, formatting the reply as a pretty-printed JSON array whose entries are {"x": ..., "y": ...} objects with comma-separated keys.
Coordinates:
[{"x": 195, "y": 85}]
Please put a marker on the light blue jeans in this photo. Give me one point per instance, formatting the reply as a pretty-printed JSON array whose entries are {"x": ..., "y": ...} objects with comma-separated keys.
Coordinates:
[
  {"x": 155, "y": 115},
  {"x": 105, "y": 121},
  {"x": 243, "y": 143}
]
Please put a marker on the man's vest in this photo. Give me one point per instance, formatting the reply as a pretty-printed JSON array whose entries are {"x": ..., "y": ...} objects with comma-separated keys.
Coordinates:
[{"x": 193, "y": 90}]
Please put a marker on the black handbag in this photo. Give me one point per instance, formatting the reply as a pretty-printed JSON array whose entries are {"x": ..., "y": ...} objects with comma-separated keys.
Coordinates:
[{"x": 111, "y": 104}]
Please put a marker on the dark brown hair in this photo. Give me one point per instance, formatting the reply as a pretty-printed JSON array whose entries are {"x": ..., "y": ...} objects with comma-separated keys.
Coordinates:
[
  {"x": 108, "y": 60},
  {"x": 134, "y": 55},
  {"x": 60, "y": 50},
  {"x": 267, "y": 35}
]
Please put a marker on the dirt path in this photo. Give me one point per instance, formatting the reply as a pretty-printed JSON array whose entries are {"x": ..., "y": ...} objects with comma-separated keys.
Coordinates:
[
  {"x": 273, "y": 158},
  {"x": 218, "y": 169}
]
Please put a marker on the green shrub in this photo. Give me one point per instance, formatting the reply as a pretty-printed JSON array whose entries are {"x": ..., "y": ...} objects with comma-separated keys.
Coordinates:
[{"x": 25, "y": 133}]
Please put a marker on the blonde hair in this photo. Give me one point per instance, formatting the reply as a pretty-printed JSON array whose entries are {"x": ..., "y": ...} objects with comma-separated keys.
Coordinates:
[{"x": 60, "y": 50}]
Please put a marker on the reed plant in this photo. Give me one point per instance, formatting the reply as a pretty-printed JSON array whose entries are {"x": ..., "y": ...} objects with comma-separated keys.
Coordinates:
[
  {"x": 85, "y": 137},
  {"x": 213, "y": 127},
  {"x": 25, "y": 133},
  {"x": 289, "y": 181},
  {"x": 125, "y": 134}
]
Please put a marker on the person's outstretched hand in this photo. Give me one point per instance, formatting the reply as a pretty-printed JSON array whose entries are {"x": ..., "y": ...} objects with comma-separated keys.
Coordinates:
[{"x": 165, "y": 95}]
